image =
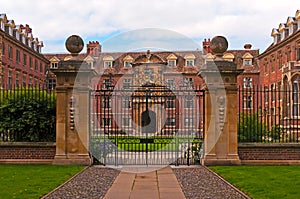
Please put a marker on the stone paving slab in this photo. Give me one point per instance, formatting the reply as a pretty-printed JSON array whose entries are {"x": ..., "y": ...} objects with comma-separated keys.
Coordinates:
[{"x": 160, "y": 184}]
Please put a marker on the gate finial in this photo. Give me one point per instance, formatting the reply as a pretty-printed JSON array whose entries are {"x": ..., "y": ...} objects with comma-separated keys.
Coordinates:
[{"x": 218, "y": 46}]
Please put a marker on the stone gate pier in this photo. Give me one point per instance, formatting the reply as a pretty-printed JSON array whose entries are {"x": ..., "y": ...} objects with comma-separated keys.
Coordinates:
[
  {"x": 221, "y": 107},
  {"x": 72, "y": 106}
]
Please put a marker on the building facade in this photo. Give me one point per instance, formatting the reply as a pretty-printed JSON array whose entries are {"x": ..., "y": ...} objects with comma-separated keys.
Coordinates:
[
  {"x": 21, "y": 61},
  {"x": 167, "y": 73},
  {"x": 280, "y": 76}
]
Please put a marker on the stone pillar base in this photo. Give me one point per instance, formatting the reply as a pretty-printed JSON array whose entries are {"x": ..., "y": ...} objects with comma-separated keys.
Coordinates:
[
  {"x": 230, "y": 160},
  {"x": 72, "y": 160}
]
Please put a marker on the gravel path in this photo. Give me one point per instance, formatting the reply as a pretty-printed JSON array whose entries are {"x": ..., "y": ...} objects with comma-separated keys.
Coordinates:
[
  {"x": 201, "y": 183},
  {"x": 92, "y": 183}
]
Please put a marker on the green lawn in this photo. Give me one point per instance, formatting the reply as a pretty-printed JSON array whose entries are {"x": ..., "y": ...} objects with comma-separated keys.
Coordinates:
[
  {"x": 134, "y": 143},
  {"x": 263, "y": 181},
  {"x": 32, "y": 181}
]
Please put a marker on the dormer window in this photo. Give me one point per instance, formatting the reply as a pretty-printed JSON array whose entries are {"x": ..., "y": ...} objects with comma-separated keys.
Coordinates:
[
  {"x": 281, "y": 31},
  {"x": 108, "y": 61},
  {"x": 172, "y": 63},
  {"x": 247, "y": 59},
  {"x": 247, "y": 62},
  {"x": 22, "y": 38},
  {"x": 54, "y": 65},
  {"x": 209, "y": 57},
  {"x": 127, "y": 61},
  {"x": 107, "y": 64},
  {"x": 2, "y": 25},
  {"x": 10, "y": 31},
  {"x": 171, "y": 60},
  {"x": 17, "y": 35},
  {"x": 290, "y": 25},
  {"x": 189, "y": 63},
  {"x": 228, "y": 57},
  {"x": 90, "y": 61},
  {"x": 189, "y": 60},
  {"x": 286, "y": 32},
  {"x": 127, "y": 64},
  {"x": 54, "y": 62}
]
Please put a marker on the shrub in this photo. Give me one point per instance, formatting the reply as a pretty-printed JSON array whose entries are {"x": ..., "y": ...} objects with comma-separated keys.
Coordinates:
[
  {"x": 27, "y": 115},
  {"x": 250, "y": 128}
]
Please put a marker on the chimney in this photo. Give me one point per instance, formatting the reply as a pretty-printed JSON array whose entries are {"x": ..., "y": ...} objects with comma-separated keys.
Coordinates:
[
  {"x": 26, "y": 27},
  {"x": 93, "y": 48},
  {"x": 206, "y": 46},
  {"x": 247, "y": 46}
]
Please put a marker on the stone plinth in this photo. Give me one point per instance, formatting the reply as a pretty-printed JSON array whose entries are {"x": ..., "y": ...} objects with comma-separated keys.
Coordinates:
[{"x": 72, "y": 106}]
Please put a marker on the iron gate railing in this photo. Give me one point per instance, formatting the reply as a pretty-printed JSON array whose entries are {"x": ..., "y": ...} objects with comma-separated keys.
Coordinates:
[
  {"x": 269, "y": 115},
  {"x": 148, "y": 125}
]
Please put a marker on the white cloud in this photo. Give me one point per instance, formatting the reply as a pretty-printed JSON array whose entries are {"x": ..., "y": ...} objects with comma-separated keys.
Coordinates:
[{"x": 240, "y": 21}]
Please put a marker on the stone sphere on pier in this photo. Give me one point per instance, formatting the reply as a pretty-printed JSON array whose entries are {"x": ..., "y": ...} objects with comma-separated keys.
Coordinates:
[
  {"x": 74, "y": 44},
  {"x": 218, "y": 45}
]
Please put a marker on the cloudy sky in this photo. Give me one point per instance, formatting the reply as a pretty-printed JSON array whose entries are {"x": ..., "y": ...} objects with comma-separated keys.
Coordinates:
[{"x": 123, "y": 25}]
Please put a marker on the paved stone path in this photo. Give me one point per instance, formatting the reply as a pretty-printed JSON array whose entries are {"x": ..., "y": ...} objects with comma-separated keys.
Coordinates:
[
  {"x": 139, "y": 182},
  {"x": 161, "y": 184}
]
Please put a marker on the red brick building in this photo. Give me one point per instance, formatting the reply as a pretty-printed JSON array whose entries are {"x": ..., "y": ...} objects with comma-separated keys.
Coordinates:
[
  {"x": 21, "y": 61},
  {"x": 280, "y": 71},
  {"x": 171, "y": 70}
]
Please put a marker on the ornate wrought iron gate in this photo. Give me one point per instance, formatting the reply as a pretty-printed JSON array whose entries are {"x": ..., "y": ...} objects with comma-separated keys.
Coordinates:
[{"x": 148, "y": 125}]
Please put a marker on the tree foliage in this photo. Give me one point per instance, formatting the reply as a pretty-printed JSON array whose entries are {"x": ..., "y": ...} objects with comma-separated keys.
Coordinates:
[
  {"x": 251, "y": 129},
  {"x": 27, "y": 115}
]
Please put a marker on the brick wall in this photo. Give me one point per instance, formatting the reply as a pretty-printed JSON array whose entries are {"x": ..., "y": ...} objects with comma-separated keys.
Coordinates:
[
  {"x": 29, "y": 151},
  {"x": 269, "y": 151}
]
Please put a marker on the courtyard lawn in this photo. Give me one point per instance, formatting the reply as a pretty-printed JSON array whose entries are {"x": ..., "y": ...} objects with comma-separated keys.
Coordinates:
[
  {"x": 137, "y": 143},
  {"x": 32, "y": 181},
  {"x": 261, "y": 182}
]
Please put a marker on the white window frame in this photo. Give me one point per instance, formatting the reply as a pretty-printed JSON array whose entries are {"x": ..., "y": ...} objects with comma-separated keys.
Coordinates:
[
  {"x": 171, "y": 61},
  {"x": 190, "y": 62},
  {"x": 296, "y": 100},
  {"x": 126, "y": 83},
  {"x": 54, "y": 65},
  {"x": 247, "y": 62},
  {"x": 127, "y": 64},
  {"x": 247, "y": 82},
  {"x": 106, "y": 83},
  {"x": 108, "y": 64},
  {"x": 188, "y": 81},
  {"x": 2, "y": 25},
  {"x": 170, "y": 83}
]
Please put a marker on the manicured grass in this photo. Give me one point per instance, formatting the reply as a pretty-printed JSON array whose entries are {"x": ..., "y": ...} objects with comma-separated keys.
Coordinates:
[
  {"x": 32, "y": 181},
  {"x": 263, "y": 181}
]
